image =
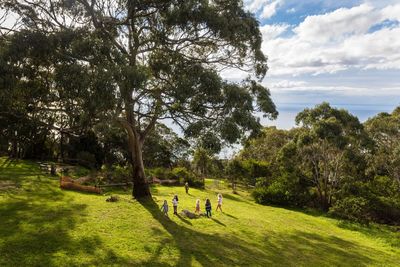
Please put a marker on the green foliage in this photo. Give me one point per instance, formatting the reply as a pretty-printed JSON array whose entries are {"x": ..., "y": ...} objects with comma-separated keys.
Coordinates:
[
  {"x": 274, "y": 194},
  {"x": 86, "y": 159},
  {"x": 333, "y": 162},
  {"x": 352, "y": 208},
  {"x": 202, "y": 161},
  {"x": 377, "y": 199},
  {"x": 266, "y": 145},
  {"x": 164, "y": 148},
  {"x": 184, "y": 175},
  {"x": 180, "y": 174},
  {"x": 255, "y": 169},
  {"x": 247, "y": 171},
  {"x": 111, "y": 174},
  {"x": 285, "y": 190},
  {"x": 105, "y": 63},
  {"x": 160, "y": 173}
]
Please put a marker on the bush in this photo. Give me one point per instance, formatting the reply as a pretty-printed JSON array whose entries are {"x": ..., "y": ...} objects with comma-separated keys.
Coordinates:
[
  {"x": 386, "y": 210},
  {"x": 284, "y": 190},
  {"x": 375, "y": 200},
  {"x": 116, "y": 174},
  {"x": 161, "y": 173},
  {"x": 352, "y": 208},
  {"x": 274, "y": 194},
  {"x": 184, "y": 175}
]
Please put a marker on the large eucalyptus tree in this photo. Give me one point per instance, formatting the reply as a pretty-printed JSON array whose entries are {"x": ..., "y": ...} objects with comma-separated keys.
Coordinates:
[{"x": 138, "y": 62}]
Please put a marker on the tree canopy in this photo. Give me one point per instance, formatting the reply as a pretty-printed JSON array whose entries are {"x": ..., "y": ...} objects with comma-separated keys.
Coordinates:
[{"x": 138, "y": 62}]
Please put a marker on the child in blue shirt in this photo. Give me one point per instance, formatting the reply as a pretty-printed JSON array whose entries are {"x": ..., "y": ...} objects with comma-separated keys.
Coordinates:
[{"x": 164, "y": 208}]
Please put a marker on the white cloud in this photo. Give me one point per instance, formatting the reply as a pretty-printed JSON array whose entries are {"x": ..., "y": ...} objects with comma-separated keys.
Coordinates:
[
  {"x": 255, "y": 5},
  {"x": 337, "y": 24},
  {"x": 290, "y": 11},
  {"x": 7, "y": 20},
  {"x": 392, "y": 12},
  {"x": 270, "y": 9},
  {"x": 272, "y": 31},
  {"x": 286, "y": 84},
  {"x": 335, "y": 41}
]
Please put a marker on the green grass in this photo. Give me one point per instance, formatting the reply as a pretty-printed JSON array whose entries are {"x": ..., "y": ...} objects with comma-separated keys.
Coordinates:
[{"x": 41, "y": 225}]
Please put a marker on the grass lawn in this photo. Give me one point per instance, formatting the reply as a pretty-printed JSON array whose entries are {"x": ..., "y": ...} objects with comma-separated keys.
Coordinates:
[{"x": 41, "y": 225}]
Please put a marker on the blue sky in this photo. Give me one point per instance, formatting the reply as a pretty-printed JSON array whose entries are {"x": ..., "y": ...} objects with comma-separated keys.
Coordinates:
[{"x": 344, "y": 52}]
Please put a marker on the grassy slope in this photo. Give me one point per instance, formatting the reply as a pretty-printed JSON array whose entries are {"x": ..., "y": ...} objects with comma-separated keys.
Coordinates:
[{"x": 44, "y": 226}]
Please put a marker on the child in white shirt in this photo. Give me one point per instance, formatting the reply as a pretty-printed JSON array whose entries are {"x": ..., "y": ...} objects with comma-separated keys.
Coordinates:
[
  {"x": 219, "y": 205},
  {"x": 175, "y": 204}
]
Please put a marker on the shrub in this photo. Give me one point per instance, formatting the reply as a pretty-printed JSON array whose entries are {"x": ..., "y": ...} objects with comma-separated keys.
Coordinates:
[
  {"x": 375, "y": 200},
  {"x": 184, "y": 175},
  {"x": 352, "y": 208},
  {"x": 284, "y": 190},
  {"x": 273, "y": 194},
  {"x": 386, "y": 210},
  {"x": 161, "y": 173}
]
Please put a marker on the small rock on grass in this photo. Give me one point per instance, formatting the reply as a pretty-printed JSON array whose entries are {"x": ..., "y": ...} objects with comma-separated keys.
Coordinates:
[{"x": 112, "y": 199}]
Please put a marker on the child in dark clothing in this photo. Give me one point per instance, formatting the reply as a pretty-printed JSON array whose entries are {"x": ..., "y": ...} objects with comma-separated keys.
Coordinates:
[
  {"x": 208, "y": 207},
  {"x": 187, "y": 187}
]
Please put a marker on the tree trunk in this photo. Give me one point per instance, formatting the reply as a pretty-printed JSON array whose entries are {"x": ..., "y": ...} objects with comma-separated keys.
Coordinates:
[
  {"x": 325, "y": 202},
  {"x": 140, "y": 186}
]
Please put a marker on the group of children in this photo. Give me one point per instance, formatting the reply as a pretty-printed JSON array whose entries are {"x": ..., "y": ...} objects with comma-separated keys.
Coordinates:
[{"x": 164, "y": 207}]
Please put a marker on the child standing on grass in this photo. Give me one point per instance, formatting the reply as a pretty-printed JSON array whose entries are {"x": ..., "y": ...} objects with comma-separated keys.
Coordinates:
[
  {"x": 208, "y": 208},
  {"x": 175, "y": 204},
  {"x": 197, "y": 206},
  {"x": 187, "y": 187},
  {"x": 164, "y": 208},
  {"x": 219, "y": 205}
]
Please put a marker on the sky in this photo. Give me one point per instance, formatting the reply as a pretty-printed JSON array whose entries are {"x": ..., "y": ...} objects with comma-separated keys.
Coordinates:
[{"x": 344, "y": 52}]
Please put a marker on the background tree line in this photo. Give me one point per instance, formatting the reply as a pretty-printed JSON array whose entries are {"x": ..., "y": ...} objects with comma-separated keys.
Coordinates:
[{"x": 330, "y": 161}]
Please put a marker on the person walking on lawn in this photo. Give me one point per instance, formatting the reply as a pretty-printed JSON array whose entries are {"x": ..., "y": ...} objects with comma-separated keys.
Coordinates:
[
  {"x": 164, "y": 208},
  {"x": 219, "y": 205},
  {"x": 187, "y": 187},
  {"x": 208, "y": 208},
  {"x": 197, "y": 206},
  {"x": 175, "y": 204}
]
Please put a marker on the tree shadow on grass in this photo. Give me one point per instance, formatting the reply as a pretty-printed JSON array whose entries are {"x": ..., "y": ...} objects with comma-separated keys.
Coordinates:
[
  {"x": 206, "y": 249},
  {"x": 375, "y": 231},
  {"x": 384, "y": 232},
  {"x": 316, "y": 250},
  {"x": 7, "y": 162},
  {"x": 219, "y": 222},
  {"x": 183, "y": 219},
  {"x": 299, "y": 248},
  {"x": 229, "y": 215},
  {"x": 232, "y": 197},
  {"x": 36, "y": 225}
]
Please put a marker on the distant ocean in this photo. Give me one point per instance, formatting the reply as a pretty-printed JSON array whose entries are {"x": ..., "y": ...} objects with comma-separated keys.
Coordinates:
[{"x": 288, "y": 112}]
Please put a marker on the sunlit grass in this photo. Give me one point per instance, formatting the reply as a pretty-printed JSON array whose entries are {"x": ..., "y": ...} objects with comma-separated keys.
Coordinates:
[{"x": 43, "y": 226}]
